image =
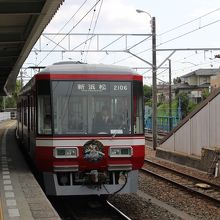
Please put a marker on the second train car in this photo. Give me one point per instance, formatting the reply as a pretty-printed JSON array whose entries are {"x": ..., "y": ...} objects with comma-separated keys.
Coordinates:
[{"x": 83, "y": 127}]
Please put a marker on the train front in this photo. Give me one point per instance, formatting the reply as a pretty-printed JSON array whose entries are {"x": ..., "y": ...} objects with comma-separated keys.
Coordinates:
[{"x": 90, "y": 132}]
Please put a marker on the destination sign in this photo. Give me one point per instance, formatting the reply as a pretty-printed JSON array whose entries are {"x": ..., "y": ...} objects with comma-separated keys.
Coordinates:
[
  {"x": 91, "y": 87},
  {"x": 103, "y": 87}
]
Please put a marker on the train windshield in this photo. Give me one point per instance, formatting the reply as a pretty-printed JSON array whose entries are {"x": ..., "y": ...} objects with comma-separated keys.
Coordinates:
[{"x": 82, "y": 107}]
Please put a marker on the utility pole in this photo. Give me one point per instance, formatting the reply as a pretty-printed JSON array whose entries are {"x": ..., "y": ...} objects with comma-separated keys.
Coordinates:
[
  {"x": 154, "y": 83},
  {"x": 170, "y": 99}
]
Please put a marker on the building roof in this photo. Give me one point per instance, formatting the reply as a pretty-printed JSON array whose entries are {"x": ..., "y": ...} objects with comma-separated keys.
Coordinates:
[
  {"x": 186, "y": 86},
  {"x": 202, "y": 72},
  {"x": 21, "y": 24}
]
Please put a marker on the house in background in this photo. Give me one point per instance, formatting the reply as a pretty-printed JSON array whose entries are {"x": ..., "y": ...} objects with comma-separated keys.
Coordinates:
[
  {"x": 163, "y": 92},
  {"x": 215, "y": 82},
  {"x": 195, "y": 82}
]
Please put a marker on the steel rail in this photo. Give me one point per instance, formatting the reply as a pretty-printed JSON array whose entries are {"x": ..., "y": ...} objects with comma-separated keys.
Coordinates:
[
  {"x": 182, "y": 174},
  {"x": 185, "y": 186},
  {"x": 120, "y": 213}
]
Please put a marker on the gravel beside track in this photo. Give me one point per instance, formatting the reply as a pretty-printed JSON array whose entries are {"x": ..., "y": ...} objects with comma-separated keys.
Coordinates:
[
  {"x": 150, "y": 154},
  {"x": 138, "y": 208},
  {"x": 181, "y": 180},
  {"x": 179, "y": 199}
]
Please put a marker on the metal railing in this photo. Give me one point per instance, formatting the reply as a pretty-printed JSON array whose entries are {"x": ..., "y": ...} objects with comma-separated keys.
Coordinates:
[{"x": 163, "y": 123}]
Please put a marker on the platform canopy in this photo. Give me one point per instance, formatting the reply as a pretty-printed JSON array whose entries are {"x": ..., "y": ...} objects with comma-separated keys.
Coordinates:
[{"x": 21, "y": 24}]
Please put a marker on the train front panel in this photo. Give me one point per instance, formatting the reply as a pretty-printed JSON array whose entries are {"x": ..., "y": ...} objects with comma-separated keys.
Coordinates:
[
  {"x": 89, "y": 135},
  {"x": 79, "y": 166}
]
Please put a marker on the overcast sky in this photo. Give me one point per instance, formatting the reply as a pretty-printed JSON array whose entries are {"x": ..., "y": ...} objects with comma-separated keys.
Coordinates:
[{"x": 120, "y": 16}]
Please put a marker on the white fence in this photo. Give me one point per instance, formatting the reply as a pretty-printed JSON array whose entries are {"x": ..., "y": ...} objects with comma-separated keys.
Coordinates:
[
  {"x": 5, "y": 116},
  {"x": 200, "y": 130}
]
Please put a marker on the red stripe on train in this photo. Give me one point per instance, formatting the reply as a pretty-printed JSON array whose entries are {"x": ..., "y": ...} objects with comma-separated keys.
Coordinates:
[{"x": 88, "y": 76}]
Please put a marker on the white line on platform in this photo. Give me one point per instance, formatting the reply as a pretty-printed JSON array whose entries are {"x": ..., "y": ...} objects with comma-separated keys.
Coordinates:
[{"x": 8, "y": 188}]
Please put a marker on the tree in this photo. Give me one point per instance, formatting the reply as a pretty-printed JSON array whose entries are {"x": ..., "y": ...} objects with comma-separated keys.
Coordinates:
[
  {"x": 176, "y": 80},
  {"x": 205, "y": 93},
  {"x": 161, "y": 99},
  {"x": 183, "y": 99},
  {"x": 148, "y": 94},
  {"x": 10, "y": 102},
  {"x": 186, "y": 105}
]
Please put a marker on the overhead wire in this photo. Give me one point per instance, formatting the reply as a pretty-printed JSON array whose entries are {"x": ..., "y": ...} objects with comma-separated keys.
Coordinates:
[
  {"x": 191, "y": 21},
  {"x": 90, "y": 26},
  {"x": 67, "y": 22},
  {"x": 184, "y": 35},
  {"x": 189, "y": 32},
  {"x": 89, "y": 36},
  {"x": 90, "y": 41},
  {"x": 197, "y": 65},
  {"x": 175, "y": 28},
  {"x": 172, "y": 39},
  {"x": 70, "y": 30}
]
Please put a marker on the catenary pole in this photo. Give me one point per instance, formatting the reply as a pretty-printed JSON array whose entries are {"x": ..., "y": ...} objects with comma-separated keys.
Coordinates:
[
  {"x": 154, "y": 83},
  {"x": 170, "y": 99}
]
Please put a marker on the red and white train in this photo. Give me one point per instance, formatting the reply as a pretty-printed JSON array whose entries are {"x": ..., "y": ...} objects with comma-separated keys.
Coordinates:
[{"x": 82, "y": 125}]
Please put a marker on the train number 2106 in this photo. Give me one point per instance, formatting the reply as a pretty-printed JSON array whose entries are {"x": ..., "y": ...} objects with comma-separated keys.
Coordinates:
[{"x": 120, "y": 87}]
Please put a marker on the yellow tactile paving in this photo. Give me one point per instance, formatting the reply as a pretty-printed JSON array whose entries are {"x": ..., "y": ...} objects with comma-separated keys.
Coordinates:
[{"x": 1, "y": 211}]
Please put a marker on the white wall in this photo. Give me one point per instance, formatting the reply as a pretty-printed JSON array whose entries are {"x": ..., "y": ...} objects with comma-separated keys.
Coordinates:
[
  {"x": 201, "y": 130},
  {"x": 4, "y": 116}
]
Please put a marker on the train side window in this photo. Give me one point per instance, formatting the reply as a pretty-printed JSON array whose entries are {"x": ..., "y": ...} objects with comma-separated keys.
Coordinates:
[
  {"x": 31, "y": 113},
  {"x": 44, "y": 115},
  {"x": 44, "y": 108},
  {"x": 25, "y": 112},
  {"x": 138, "y": 108}
]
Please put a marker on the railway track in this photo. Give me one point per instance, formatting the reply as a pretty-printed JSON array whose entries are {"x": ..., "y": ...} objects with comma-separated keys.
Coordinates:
[
  {"x": 119, "y": 213},
  {"x": 160, "y": 136},
  {"x": 195, "y": 185},
  {"x": 89, "y": 207}
]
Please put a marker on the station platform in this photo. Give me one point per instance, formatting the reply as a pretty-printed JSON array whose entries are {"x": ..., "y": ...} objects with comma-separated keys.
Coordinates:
[{"x": 21, "y": 197}]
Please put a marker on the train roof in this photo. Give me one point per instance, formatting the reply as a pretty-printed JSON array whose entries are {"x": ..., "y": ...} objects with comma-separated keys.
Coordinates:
[{"x": 71, "y": 68}]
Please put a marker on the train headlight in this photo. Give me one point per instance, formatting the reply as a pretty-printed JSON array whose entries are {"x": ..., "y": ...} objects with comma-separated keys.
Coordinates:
[
  {"x": 120, "y": 151},
  {"x": 66, "y": 152}
]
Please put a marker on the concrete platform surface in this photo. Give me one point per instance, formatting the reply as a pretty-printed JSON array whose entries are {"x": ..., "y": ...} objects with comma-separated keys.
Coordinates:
[{"x": 21, "y": 197}]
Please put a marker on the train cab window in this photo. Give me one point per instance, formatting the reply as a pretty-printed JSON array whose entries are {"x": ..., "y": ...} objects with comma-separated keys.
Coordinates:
[
  {"x": 138, "y": 108},
  {"x": 112, "y": 115},
  {"x": 69, "y": 110},
  {"x": 78, "y": 107},
  {"x": 44, "y": 108}
]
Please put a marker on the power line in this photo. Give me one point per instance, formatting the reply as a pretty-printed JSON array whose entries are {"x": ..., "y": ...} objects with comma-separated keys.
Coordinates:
[
  {"x": 191, "y": 21},
  {"x": 90, "y": 26},
  {"x": 189, "y": 32},
  {"x": 94, "y": 29},
  {"x": 70, "y": 30},
  {"x": 197, "y": 65},
  {"x": 68, "y": 21},
  {"x": 123, "y": 59}
]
